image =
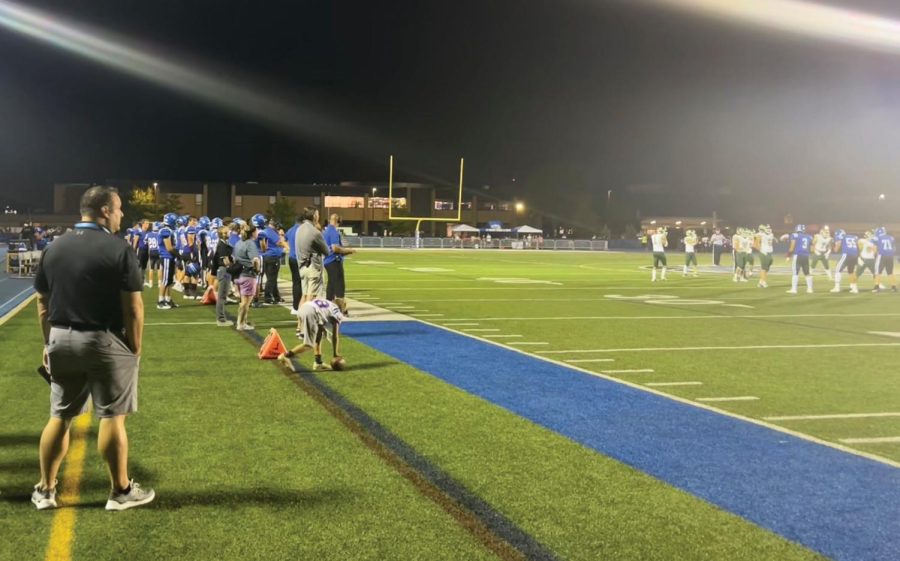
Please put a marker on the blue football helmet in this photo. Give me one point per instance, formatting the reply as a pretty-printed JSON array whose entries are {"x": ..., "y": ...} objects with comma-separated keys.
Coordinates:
[
  {"x": 880, "y": 231},
  {"x": 258, "y": 221},
  {"x": 216, "y": 223},
  {"x": 839, "y": 234},
  {"x": 170, "y": 220},
  {"x": 238, "y": 220},
  {"x": 203, "y": 223},
  {"x": 192, "y": 269},
  {"x": 155, "y": 226},
  {"x": 800, "y": 228},
  {"x": 181, "y": 221}
]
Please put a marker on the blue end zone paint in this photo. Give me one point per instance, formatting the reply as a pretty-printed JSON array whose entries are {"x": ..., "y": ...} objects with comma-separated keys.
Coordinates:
[{"x": 844, "y": 506}]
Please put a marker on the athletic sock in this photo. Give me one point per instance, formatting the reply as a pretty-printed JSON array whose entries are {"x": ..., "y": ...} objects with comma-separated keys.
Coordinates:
[
  {"x": 663, "y": 273},
  {"x": 654, "y": 274},
  {"x": 808, "y": 283},
  {"x": 837, "y": 280},
  {"x": 794, "y": 280}
]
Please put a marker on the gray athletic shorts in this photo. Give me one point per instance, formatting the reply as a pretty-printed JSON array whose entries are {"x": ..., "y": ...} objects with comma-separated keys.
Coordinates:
[
  {"x": 94, "y": 364},
  {"x": 309, "y": 325},
  {"x": 312, "y": 281}
]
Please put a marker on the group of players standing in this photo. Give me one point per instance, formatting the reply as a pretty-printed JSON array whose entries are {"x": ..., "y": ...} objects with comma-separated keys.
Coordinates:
[
  {"x": 875, "y": 251},
  {"x": 179, "y": 249}
]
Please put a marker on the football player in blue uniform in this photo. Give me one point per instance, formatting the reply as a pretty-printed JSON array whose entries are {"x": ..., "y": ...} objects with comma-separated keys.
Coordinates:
[
  {"x": 798, "y": 253},
  {"x": 152, "y": 240},
  {"x": 847, "y": 246},
  {"x": 167, "y": 252}
]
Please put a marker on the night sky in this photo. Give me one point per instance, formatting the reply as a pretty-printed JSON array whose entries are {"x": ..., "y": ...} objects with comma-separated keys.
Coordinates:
[{"x": 673, "y": 112}]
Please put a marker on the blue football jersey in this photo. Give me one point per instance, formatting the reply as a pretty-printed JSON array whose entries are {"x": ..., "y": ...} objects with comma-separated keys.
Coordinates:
[
  {"x": 166, "y": 233},
  {"x": 850, "y": 245},
  {"x": 802, "y": 244},
  {"x": 886, "y": 245}
]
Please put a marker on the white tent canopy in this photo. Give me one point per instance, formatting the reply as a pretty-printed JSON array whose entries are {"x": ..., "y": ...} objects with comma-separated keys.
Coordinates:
[
  {"x": 465, "y": 228},
  {"x": 528, "y": 230}
]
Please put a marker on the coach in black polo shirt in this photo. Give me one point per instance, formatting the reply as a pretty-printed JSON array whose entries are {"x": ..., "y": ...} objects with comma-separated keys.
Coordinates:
[{"x": 92, "y": 317}]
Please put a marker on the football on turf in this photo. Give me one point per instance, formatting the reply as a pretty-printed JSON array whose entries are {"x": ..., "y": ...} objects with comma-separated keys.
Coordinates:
[{"x": 338, "y": 363}]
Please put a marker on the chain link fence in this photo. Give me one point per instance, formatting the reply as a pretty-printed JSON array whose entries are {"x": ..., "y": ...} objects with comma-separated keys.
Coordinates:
[{"x": 450, "y": 243}]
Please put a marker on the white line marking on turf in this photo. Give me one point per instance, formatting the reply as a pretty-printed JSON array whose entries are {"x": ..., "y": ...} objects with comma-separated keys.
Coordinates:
[
  {"x": 885, "y": 333},
  {"x": 474, "y": 330},
  {"x": 501, "y": 336},
  {"x": 738, "y": 306},
  {"x": 704, "y": 316},
  {"x": 665, "y": 384},
  {"x": 735, "y": 398},
  {"x": 528, "y": 343},
  {"x": 834, "y": 416},
  {"x": 458, "y": 324},
  {"x": 771, "y": 426},
  {"x": 632, "y": 371},
  {"x": 578, "y": 360},
  {"x": 418, "y": 315},
  {"x": 652, "y": 349},
  {"x": 879, "y": 440}
]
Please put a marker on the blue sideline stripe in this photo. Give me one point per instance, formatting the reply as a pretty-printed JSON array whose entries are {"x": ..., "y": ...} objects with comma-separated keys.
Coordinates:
[{"x": 844, "y": 506}]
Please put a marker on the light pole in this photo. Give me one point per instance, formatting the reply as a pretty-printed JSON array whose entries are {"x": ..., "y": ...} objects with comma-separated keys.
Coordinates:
[
  {"x": 156, "y": 193},
  {"x": 372, "y": 204}
]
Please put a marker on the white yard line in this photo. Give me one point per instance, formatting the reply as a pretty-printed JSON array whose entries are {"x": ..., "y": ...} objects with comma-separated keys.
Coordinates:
[
  {"x": 501, "y": 336},
  {"x": 834, "y": 416},
  {"x": 878, "y": 440},
  {"x": 666, "y": 384},
  {"x": 731, "y": 348},
  {"x": 528, "y": 343},
  {"x": 476, "y": 330},
  {"x": 704, "y": 316},
  {"x": 735, "y": 398},
  {"x": 631, "y": 371},
  {"x": 885, "y": 333},
  {"x": 580, "y": 360},
  {"x": 460, "y": 324},
  {"x": 418, "y": 315}
]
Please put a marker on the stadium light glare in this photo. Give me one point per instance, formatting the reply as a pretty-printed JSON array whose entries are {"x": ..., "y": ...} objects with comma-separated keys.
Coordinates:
[
  {"x": 520, "y": 207},
  {"x": 196, "y": 79},
  {"x": 804, "y": 18}
]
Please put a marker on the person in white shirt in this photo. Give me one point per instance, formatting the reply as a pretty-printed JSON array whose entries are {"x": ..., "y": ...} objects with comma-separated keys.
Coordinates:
[
  {"x": 822, "y": 243},
  {"x": 690, "y": 251},
  {"x": 659, "y": 242},
  {"x": 764, "y": 244}
]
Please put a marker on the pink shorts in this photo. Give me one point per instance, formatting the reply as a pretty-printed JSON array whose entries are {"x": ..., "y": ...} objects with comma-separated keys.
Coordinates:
[{"x": 246, "y": 286}]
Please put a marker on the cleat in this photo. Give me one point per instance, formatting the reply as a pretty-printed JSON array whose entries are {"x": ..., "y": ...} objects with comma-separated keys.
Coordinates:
[
  {"x": 835, "y": 289},
  {"x": 854, "y": 291},
  {"x": 136, "y": 496},
  {"x": 285, "y": 360},
  {"x": 320, "y": 366},
  {"x": 809, "y": 291},
  {"x": 245, "y": 327},
  {"x": 791, "y": 291},
  {"x": 163, "y": 306},
  {"x": 43, "y": 499},
  {"x": 223, "y": 323}
]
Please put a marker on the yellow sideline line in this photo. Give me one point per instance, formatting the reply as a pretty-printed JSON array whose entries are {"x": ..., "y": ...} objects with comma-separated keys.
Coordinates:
[
  {"x": 63, "y": 529},
  {"x": 12, "y": 313}
]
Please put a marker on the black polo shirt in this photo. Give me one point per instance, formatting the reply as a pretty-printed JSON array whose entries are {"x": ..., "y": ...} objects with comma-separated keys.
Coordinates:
[{"x": 82, "y": 273}]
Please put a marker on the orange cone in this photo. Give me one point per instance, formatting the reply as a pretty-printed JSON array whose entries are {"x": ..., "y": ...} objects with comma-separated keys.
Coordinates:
[
  {"x": 272, "y": 346},
  {"x": 209, "y": 297}
]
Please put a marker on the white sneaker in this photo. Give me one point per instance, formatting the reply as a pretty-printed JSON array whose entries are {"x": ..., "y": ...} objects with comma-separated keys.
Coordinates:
[
  {"x": 809, "y": 291},
  {"x": 43, "y": 499},
  {"x": 854, "y": 291},
  {"x": 320, "y": 366},
  {"x": 742, "y": 280},
  {"x": 835, "y": 289},
  {"x": 791, "y": 291},
  {"x": 148, "y": 284},
  {"x": 294, "y": 312},
  {"x": 136, "y": 496}
]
